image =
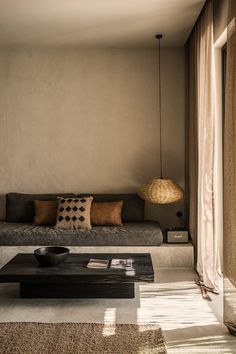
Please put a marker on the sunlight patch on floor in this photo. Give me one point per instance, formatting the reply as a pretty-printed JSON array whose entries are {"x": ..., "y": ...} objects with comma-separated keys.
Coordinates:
[
  {"x": 109, "y": 328},
  {"x": 203, "y": 344},
  {"x": 174, "y": 305}
]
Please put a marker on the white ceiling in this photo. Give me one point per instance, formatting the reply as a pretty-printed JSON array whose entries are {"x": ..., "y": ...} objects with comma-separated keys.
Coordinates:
[{"x": 96, "y": 23}]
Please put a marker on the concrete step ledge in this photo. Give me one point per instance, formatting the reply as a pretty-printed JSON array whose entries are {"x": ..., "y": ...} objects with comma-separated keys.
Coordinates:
[{"x": 165, "y": 256}]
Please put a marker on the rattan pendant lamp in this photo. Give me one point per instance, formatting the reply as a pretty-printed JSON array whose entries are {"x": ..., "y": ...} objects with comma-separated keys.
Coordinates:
[{"x": 161, "y": 190}]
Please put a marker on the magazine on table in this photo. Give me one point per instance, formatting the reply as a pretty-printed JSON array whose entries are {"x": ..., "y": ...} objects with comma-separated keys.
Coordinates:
[
  {"x": 117, "y": 263},
  {"x": 98, "y": 263}
]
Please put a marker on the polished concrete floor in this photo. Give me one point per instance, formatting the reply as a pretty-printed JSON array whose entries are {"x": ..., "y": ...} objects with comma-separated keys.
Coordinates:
[{"x": 190, "y": 324}]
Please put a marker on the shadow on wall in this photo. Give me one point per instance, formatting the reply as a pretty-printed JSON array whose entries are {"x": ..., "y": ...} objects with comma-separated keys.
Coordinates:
[
  {"x": 144, "y": 170},
  {"x": 166, "y": 214}
]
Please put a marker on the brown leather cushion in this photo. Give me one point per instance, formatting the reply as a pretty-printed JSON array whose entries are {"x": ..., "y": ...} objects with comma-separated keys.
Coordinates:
[
  {"x": 45, "y": 212},
  {"x": 107, "y": 213}
]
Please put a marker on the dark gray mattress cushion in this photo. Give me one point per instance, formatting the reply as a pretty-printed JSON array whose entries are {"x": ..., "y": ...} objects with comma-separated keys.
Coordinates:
[
  {"x": 147, "y": 233},
  {"x": 20, "y": 206}
]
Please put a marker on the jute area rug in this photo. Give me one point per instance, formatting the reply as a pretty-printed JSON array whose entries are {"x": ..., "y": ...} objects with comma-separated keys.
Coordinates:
[{"x": 80, "y": 338}]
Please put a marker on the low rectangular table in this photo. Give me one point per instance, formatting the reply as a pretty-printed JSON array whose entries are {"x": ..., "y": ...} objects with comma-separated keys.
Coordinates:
[{"x": 72, "y": 279}]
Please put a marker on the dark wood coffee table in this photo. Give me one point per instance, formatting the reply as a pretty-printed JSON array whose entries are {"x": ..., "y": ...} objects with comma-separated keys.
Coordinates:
[{"x": 72, "y": 279}]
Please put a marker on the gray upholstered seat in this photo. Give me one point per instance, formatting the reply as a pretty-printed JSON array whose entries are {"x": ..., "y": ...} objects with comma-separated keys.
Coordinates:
[
  {"x": 19, "y": 230},
  {"x": 146, "y": 233}
]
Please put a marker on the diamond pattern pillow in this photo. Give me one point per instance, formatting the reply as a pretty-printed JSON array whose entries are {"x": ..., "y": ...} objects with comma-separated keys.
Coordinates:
[{"x": 74, "y": 213}]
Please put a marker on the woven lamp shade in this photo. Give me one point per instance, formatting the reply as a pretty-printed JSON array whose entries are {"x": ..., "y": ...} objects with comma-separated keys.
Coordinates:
[{"x": 161, "y": 191}]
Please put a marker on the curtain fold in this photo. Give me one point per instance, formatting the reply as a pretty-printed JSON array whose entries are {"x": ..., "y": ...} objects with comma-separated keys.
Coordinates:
[
  {"x": 229, "y": 168},
  {"x": 192, "y": 139},
  {"x": 202, "y": 154}
]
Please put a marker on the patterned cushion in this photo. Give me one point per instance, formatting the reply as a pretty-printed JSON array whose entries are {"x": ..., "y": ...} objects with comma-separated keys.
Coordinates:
[{"x": 74, "y": 213}]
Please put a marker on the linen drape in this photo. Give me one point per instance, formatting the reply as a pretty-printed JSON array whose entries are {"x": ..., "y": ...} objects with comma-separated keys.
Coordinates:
[
  {"x": 229, "y": 188},
  {"x": 202, "y": 154},
  {"x": 192, "y": 139}
]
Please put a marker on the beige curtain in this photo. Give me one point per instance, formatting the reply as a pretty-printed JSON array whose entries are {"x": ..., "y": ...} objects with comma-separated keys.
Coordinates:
[
  {"x": 202, "y": 156},
  {"x": 229, "y": 242},
  {"x": 192, "y": 138}
]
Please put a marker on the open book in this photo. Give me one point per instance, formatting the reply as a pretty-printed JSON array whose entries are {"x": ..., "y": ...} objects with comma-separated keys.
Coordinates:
[{"x": 121, "y": 263}]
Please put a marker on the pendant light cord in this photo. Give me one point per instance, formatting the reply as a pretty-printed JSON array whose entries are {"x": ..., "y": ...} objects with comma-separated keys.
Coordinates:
[{"x": 159, "y": 36}]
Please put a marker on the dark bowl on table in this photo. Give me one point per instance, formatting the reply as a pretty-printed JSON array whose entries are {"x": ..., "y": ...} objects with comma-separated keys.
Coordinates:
[{"x": 51, "y": 256}]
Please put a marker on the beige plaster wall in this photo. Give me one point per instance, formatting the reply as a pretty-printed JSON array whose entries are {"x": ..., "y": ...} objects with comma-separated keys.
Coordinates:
[
  {"x": 87, "y": 120},
  {"x": 220, "y": 16}
]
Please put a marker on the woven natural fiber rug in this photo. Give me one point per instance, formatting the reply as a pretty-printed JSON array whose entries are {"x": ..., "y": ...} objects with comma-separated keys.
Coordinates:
[{"x": 80, "y": 338}]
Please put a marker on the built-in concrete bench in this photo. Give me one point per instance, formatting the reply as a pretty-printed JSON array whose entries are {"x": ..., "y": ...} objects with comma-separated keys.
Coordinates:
[{"x": 18, "y": 234}]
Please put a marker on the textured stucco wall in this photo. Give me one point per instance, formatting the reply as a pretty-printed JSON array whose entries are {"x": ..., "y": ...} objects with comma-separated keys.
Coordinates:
[{"x": 87, "y": 120}]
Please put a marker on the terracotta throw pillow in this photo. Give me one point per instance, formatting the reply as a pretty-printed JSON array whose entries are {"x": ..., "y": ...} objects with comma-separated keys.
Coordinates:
[
  {"x": 107, "y": 213},
  {"x": 74, "y": 213},
  {"x": 45, "y": 212}
]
